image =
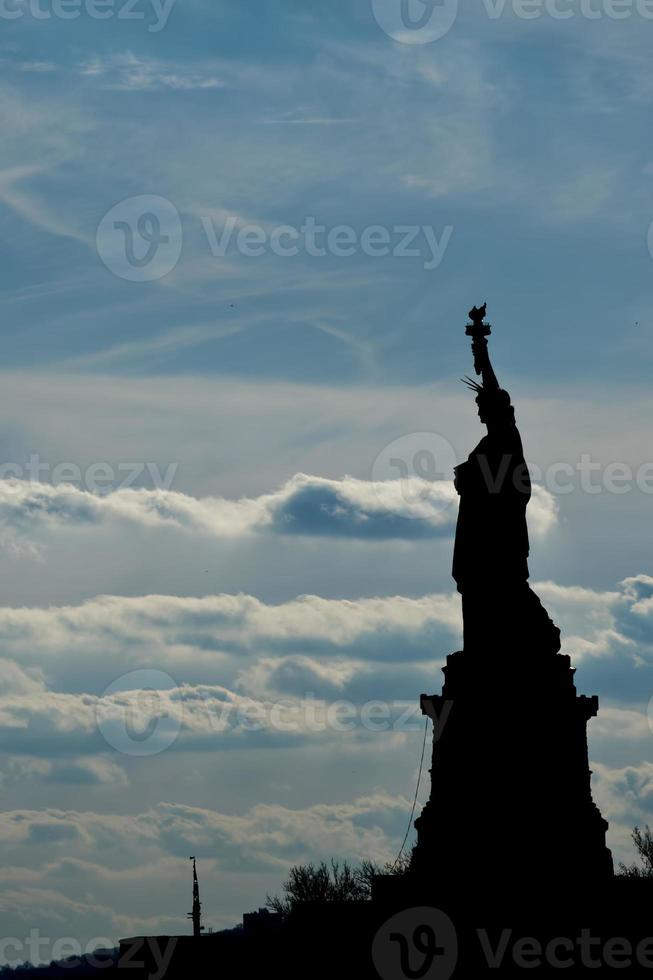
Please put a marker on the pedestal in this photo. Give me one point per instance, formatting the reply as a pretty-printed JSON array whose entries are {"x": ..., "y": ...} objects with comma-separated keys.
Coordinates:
[{"x": 510, "y": 780}]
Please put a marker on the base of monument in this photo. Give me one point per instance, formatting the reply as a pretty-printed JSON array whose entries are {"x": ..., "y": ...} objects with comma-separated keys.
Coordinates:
[
  {"x": 510, "y": 776},
  {"x": 411, "y": 930}
]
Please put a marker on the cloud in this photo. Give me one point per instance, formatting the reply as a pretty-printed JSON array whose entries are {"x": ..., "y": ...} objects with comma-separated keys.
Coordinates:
[
  {"x": 360, "y": 509},
  {"x": 131, "y": 72},
  {"x": 78, "y": 771},
  {"x": 38, "y": 66},
  {"x": 87, "y": 772},
  {"x": 313, "y": 506},
  {"x": 46, "y": 131},
  {"x": 99, "y": 873},
  {"x": 586, "y": 195},
  {"x": 604, "y": 626},
  {"x": 229, "y": 670},
  {"x": 216, "y": 636},
  {"x": 145, "y": 722},
  {"x": 232, "y": 671},
  {"x": 266, "y": 655},
  {"x": 266, "y": 835},
  {"x": 14, "y": 680},
  {"x": 150, "y": 348},
  {"x": 624, "y": 795},
  {"x": 629, "y": 724},
  {"x": 297, "y": 117}
]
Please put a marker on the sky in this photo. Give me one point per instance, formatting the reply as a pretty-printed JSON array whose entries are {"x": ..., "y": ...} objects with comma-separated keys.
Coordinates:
[{"x": 239, "y": 245}]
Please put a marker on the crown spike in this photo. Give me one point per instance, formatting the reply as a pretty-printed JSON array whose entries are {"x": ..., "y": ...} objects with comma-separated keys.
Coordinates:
[{"x": 474, "y": 385}]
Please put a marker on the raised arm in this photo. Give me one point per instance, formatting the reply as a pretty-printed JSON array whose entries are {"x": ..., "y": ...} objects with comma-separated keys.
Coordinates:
[
  {"x": 483, "y": 364},
  {"x": 479, "y": 331}
]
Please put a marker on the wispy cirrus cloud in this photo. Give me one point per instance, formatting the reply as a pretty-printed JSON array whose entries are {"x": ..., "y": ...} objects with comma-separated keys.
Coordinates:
[
  {"x": 130, "y": 72},
  {"x": 49, "y": 132}
]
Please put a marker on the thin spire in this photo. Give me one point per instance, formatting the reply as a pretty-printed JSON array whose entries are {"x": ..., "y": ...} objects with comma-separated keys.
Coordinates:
[{"x": 196, "y": 914}]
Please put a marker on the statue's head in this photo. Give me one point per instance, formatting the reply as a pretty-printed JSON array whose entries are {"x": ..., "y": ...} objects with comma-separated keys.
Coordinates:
[{"x": 494, "y": 406}]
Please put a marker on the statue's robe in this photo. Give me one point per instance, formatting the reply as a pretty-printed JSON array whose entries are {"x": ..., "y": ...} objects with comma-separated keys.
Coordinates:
[
  {"x": 490, "y": 562},
  {"x": 492, "y": 535}
]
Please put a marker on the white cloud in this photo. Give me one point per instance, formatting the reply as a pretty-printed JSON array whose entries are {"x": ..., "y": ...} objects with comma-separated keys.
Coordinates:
[
  {"x": 268, "y": 653},
  {"x": 63, "y": 869},
  {"x": 14, "y": 680},
  {"x": 306, "y": 505},
  {"x": 624, "y": 795},
  {"x": 265, "y": 835},
  {"x": 78, "y": 771},
  {"x": 234, "y": 640},
  {"x": 224, "y": 655},
  {"x": 627, "y": 723}
]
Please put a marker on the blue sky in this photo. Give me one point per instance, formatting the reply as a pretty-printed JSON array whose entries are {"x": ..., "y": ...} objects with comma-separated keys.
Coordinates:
[{"x": 197, "y": 468}]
